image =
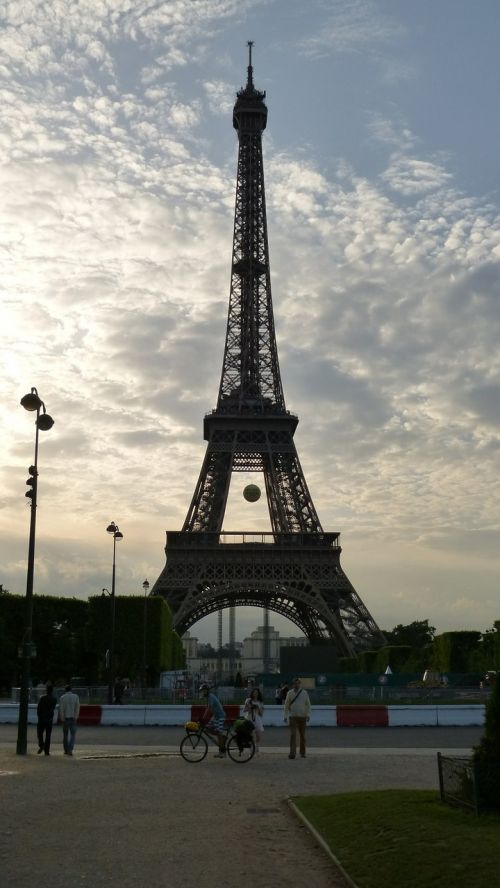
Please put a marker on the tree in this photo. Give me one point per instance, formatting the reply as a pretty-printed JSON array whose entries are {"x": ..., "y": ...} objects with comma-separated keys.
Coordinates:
[
  {"x": 486, "y": 755},
  {"x": 489, "y": 745},
  {"x": 178, "y": 652},
  {"x": 207, "y": 651},
  {"x": 417, "y": 634},
  {"x": 490, "y": 645},
  {"x": 452, "y": 651}
]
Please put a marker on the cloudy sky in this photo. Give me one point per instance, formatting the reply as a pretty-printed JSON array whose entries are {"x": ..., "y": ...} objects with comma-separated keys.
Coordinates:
[{"x": 117, "y": 166}]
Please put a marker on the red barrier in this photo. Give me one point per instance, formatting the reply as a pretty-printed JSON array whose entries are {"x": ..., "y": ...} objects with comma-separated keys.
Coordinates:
[
  {"x": 89, "y": 714},
  {"x": 232, "y": 712},
  {"x": 362, "y": 716}
]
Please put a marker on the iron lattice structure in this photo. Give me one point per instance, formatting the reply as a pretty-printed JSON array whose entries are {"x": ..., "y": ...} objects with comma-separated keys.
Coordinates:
[{"x": 294, "y": 570}]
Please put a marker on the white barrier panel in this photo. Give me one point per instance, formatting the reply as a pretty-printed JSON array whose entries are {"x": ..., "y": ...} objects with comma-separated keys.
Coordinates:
[
  {"x": 9, "y": 714},
  {"x": 407, "y": 716},
  {"x": 122, "y": 715},
  {"x": 168, "y": 715},
  {"x": 321, "y": 716},
  {"x": 461, "y": 715},
  {"x": 273, "y": 716},
  {"x": 145, "y": 715}
]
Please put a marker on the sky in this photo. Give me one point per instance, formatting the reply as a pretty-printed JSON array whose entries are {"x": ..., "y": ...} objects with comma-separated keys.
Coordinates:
[{"x": 118, "y": 165}]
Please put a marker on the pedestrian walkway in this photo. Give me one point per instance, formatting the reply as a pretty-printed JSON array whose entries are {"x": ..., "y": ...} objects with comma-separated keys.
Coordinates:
[{"x": 127, "y": 817}]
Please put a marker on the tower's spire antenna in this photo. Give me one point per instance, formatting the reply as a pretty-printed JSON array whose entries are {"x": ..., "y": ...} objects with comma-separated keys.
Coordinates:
[{"x": 250, "y": 69}]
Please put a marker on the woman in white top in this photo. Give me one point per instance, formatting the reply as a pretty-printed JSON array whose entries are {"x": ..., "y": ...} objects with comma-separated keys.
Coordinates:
[{"x": 254, "y": 710}]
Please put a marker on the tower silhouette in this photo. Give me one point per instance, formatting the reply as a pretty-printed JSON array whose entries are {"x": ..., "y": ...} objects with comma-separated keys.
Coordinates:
[{"x": 295, "y": 569}]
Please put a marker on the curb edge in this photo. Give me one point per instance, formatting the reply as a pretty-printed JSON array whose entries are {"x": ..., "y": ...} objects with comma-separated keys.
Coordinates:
[{"x": 320, "y": 840}]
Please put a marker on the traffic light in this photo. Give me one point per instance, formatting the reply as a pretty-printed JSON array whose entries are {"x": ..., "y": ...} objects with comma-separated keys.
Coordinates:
[{"x": 31, "y": 481}]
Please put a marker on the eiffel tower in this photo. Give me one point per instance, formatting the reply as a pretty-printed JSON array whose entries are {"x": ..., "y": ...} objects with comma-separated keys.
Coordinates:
[{"x": 294, "y": 570}]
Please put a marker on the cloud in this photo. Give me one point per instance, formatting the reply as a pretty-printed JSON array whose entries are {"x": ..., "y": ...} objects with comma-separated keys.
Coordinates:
[
  {"x": 220, "y": 97},
  {"x": 115, "y": 250},
  {"x": 390, "y": 132},
  {"x": 412, "y": 176},
  {"x": 351, "y": 26}
]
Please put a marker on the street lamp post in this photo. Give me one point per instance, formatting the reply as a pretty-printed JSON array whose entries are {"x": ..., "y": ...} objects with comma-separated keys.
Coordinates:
[
  {"x": 145, "y": 586},
  {"x": 117, "y": 535},
  {"x": 105, "y": 592},
  {"x": 33, "y": 403}
]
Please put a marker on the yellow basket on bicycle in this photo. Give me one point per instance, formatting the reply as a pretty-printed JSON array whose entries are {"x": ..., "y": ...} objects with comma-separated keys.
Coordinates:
[{"x": 192, "y": 727}]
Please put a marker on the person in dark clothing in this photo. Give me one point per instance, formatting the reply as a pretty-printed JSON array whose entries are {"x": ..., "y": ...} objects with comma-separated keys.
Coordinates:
[
  {"x": 45, "y": 713},
  {"x": 119, "y": 691}
]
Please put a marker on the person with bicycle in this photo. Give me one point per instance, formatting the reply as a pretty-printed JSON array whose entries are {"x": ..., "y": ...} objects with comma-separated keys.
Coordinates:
[{"x": 213, "y": 718}]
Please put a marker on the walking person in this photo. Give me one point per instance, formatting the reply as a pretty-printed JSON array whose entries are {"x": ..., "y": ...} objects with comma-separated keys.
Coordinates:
[
  {"x": 69, "y": 708},
  {"x": 297, "y": 712},
  {"x": 253, "y": 710},
  {"x": 45, "y": 714}
]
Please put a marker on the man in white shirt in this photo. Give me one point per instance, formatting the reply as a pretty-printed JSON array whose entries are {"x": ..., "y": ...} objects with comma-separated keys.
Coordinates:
[
  {"x": 69, "y": 708},
  {"x": 297, "y": 712}
]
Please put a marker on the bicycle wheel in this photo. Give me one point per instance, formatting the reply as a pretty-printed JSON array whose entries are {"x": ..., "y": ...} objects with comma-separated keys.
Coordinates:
[
  {"x": 194, "y": 748},
  {"x": 240, "y": 753}
]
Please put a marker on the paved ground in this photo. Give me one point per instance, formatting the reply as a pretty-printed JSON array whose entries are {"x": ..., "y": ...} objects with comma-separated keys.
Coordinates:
[
  {"x": 167, "y": 738},
  {"x": 124, "y": 816}
]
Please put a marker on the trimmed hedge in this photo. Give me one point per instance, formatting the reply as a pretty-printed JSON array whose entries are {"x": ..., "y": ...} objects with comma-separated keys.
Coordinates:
[
  {"x": 59, "y": 633},
  {"x": 129, "y": 635},
  {"x": 72, "y": 637}
]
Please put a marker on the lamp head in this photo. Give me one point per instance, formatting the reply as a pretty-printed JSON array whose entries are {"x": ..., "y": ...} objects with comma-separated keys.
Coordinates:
[
  {"x": 114, "y": 529},
  {"x": 31, "y": 401},
  {"x": 44, "y": 422}
]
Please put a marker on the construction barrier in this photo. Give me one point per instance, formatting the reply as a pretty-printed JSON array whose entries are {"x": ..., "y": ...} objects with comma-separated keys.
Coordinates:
[
  {"x": 461, "y": 715},
  {"x": 362, "y": 716},
  {"x": 321, "y": 716},
  {"x": 89, "y": 714},
  {"x": 412, "y": 716}
]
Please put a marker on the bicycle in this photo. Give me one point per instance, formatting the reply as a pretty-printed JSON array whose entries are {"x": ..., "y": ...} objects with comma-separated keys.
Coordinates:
[{"x": 194, "y": 746}]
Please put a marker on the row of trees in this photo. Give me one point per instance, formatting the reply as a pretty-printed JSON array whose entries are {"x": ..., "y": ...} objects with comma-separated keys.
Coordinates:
[
  {"x": 416, "y": 647},
  {"x": 72, "y": 637}
]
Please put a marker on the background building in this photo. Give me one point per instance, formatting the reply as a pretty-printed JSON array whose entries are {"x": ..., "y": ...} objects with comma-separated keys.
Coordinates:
[{"x": 247, "y": 659}]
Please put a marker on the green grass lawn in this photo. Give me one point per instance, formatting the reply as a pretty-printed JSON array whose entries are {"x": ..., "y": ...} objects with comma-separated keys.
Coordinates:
[{"x": 406, "y": 839}]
